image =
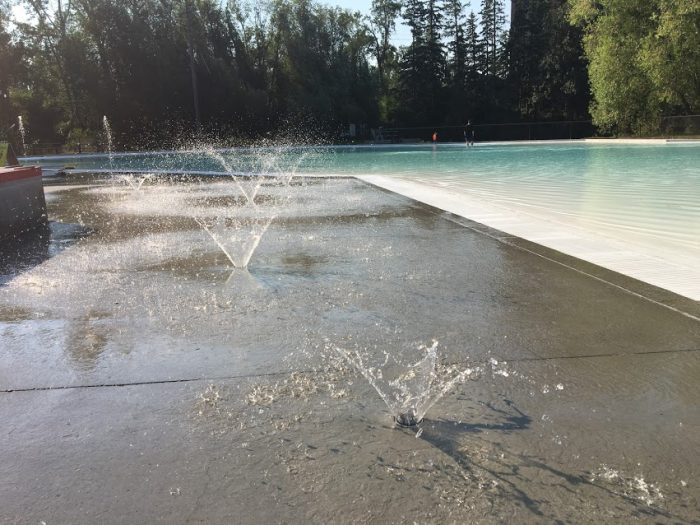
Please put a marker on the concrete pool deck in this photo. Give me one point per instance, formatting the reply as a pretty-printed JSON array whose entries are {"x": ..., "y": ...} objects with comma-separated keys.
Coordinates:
[
  {"x": 677, "y": 271},
  {"x": 143, "y": 381}
]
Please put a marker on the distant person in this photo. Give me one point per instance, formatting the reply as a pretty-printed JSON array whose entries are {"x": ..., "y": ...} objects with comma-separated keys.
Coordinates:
[
  {"x": 469, "y": 133},
  {"x": 435, "y": 137}
]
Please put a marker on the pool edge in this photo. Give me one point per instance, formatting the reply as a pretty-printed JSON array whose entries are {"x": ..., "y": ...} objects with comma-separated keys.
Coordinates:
[{"x": 665, "y": 294}]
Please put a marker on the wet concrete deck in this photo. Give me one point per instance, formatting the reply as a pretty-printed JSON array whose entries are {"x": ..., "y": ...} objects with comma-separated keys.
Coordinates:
[
  {"x": 143, "y": 381},
  {"x": 671, "y": 268}
]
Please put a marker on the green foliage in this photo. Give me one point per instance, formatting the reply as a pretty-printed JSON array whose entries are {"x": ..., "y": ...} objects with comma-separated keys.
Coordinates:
[
  {"x": 12, "y": 74},
  {"x": 255, "y": 65},
  {"x": 644, "y": 60},
  {"x": 670, "y": 54},
  {"x": 82, "y": 137},
  {"x": 4, "y": 154},
  {"x": 382, "y": 24}
]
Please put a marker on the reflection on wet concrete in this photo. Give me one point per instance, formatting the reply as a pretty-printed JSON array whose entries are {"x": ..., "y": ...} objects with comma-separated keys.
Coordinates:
[{"x": 86, "y": 340}]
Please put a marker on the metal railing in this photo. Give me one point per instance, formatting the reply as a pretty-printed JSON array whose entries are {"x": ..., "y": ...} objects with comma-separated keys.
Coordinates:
[
  {"x": 58, "y": 148},
  {"x": 510, "y": 131}
]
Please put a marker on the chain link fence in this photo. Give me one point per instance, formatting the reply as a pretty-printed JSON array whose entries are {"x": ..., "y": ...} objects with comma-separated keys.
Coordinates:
[
  {"x": 686, "y": 126},
  {"x": 680, "y": 127}
]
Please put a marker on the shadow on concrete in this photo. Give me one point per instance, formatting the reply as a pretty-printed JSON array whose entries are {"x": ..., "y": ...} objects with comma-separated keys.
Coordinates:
[
  {"x": 522, "y": 478},
  {"x": 20, "y": 254}
]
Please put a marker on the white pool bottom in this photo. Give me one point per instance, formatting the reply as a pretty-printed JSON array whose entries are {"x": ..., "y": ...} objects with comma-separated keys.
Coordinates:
[{"x": 676, "y": 270}]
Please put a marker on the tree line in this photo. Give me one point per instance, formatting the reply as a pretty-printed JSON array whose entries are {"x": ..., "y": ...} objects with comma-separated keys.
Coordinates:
[{"x": 252, "y": 67}]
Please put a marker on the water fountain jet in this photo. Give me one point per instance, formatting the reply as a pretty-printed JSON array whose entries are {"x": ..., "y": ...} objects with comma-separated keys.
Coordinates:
[
  {"x": 22, "y": 134},
  {"x": 110, "y": 145},
  {"x": 408, "y": 419},
  {"x": 416, "y": 389},
  {"x": 135, "y": 182},
  {"x": 249, "y": 191},
  {"x": 237, "y": 237}
]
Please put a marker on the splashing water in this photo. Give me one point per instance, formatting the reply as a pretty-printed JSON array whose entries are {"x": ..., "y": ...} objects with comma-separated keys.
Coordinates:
[
  {"x": 277, "y": 162},
  {"x": 280, "y": 162},
  {"x": 250, "y": 189},
  {"x": 22, "y": 133},
  {"x": 135, "y": 182},
  {"x": 411, "y": 393},
  {"x": 237, "y": 237},
  {"x": 635, "y": 487},
  {"x": 110, "y": 144}
]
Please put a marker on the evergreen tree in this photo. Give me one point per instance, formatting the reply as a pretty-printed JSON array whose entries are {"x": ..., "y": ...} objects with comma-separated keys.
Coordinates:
[
  {"x": 546, "y": 70},
  {"x": 474, "y": 50},
  {"x": 458, "y": 84},
  {"x": 474, "y": 70},
  {"x": 455, "y": 20},
  {"x": 493, "y": 21},
  {"x": 422, "y": 67}
]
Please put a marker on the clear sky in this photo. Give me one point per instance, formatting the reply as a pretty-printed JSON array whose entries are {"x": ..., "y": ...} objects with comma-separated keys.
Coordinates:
[{"x": 359, "y": 5}]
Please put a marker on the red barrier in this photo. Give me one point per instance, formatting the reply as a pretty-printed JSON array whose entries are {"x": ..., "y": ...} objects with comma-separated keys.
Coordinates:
[{"x": 10, "y": 174}]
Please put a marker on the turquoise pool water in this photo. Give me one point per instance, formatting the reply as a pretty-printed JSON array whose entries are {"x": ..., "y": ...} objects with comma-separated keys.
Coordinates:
[{"x": 649, "y": 194}]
